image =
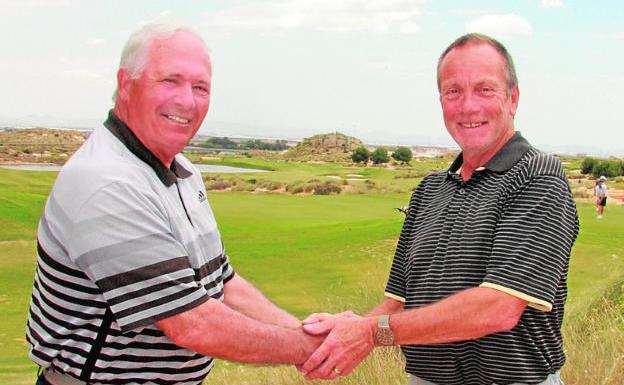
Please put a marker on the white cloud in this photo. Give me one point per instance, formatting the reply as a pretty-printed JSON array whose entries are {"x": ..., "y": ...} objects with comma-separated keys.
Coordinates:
[
  {"x": 410, "y": 27},
  {"x": 610, "y": 36},
  {"x": 551, "y": 3},
  {"x": 321, "y": 15},
  {"x": 472, "y": 12},
  {"x": 65, "y": 60},
  {"x": 385, "y": 66},
  {"x": 500, "y": 26},
  {"x": 33, "y": 3},
  {"x": 83, "y": 74},
  {"x": 96, "y": 41}
]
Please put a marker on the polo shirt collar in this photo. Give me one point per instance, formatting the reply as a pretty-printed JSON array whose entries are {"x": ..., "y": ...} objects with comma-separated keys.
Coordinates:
[
  {"x": 168, "y": 176},
  {"x": 503, "y": 160}
]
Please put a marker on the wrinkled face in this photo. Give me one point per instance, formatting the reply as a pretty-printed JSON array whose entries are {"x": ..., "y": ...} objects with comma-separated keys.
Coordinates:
[
  {"x": 478, "y": 107},
  {"x": 167, "y": 103}
]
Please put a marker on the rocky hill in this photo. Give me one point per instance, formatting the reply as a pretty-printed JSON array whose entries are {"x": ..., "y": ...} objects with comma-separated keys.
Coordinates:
[
  {"x": 324, "y": 147},
  {"x": 38, "y": 145}
]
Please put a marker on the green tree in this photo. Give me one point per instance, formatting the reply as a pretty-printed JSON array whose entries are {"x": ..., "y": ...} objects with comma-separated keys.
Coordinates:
[
  {"x": 257, "y": 144},
  {"x": 360, "y": 155},
  {"x": 608, "y": 168},
  {"x": 402, "y": 154},
  {"x": 587, "y": 165},
  {"x": 380, "y": 155},
  {"x": 219, "y": 143}
]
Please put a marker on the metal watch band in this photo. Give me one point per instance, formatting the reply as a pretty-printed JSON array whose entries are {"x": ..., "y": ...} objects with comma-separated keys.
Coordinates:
[{"x": 384, "y": 335}]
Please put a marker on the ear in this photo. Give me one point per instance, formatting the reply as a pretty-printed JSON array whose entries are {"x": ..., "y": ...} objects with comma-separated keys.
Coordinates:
[
  {"x": 123, "y": 84},
  {"x": 515, "y": 97}
]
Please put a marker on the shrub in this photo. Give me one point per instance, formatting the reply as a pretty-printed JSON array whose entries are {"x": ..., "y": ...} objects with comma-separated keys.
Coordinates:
[
  {"x": 608, "y": 168},
  {"x": 587, "y": 165},
  {"x": 380, "y": 155},
  {"x": 327, "y": 188},
  {"x": 360, "y": 155},
  {"x": 218, "y": 184},
  {"x": 298, "y": 187},
  {"x": 269, "y": 185},
  {"x": 580, "y": 193},
  {"x": 247, "y": 187},
  {"x": 402, "y": 154}
]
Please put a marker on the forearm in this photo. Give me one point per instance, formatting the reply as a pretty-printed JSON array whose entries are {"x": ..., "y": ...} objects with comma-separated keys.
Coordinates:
[
  {"x": 243, "y": 297},
  {"x": 214, "y": 329},
  {"x": 469, "y": 314},
  {"x": 388, "y": 306}
]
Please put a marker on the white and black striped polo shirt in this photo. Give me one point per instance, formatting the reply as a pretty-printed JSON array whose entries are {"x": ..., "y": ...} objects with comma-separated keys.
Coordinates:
[
  {"x": 123, "y": 242},
  {"x": 510, "y": 227}
]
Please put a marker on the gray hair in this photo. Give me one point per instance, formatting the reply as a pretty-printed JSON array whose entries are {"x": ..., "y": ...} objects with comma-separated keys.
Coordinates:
[
  {"x": 135, "y": 53},
  {"x": 477, "y": 38}
]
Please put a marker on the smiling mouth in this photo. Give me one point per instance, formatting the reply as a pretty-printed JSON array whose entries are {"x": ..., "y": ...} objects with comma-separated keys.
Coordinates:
[
  {"x": 472, "y": 125},
  {"x": 177, "y": 119}
]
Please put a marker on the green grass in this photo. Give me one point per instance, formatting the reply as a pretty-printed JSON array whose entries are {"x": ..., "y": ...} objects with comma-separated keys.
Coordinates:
[
  {"x": 598, "y": 256},
  {"x": 304, "y": 250},
  {"x": 397, "y": 179},
  {"x": 307, "y": 253}
]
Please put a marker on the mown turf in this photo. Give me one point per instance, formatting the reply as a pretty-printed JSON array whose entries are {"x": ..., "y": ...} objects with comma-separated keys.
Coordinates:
[{"x": 302, "y": 250}]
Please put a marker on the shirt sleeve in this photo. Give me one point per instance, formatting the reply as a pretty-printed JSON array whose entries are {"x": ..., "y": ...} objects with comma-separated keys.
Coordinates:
[
  {"x": 532, "y": 243},
  {"x": 122, "y": 240},
  {"x": 397, "y": 281}
]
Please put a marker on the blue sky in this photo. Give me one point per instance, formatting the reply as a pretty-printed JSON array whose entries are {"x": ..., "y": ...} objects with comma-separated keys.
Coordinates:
[{"x": 294, "y": 68}]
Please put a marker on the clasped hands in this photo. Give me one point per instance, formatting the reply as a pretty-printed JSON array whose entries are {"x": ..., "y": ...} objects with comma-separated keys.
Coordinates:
[{"x": 349, "y": 339}]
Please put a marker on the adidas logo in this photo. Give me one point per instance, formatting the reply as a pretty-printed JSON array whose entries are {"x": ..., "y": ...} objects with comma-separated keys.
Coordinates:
[{"x": 201, "y": 196}]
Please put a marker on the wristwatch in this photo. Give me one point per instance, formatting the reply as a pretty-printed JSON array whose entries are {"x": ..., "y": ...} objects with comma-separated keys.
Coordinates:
[{"x": 383, "y": 334}]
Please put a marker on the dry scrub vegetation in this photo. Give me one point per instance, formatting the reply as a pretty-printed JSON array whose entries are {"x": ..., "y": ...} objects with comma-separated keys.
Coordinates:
[{"x": 38, "y": 145}]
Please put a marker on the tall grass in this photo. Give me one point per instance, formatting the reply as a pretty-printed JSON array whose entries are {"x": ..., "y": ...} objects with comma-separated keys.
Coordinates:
[
  {"x": 383, "y": 367},
  {"x": 594, "y": 345},
  {"x": 594, "y": 342}
]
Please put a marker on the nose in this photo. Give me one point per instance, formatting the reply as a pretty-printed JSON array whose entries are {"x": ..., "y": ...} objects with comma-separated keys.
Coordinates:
[
  {"x": 184, "y": 97},
  {"x": 469, "y": 103}
]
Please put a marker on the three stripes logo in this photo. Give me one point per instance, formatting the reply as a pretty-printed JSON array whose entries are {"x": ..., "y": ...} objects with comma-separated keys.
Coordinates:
[{"x": 201, "y": 196}]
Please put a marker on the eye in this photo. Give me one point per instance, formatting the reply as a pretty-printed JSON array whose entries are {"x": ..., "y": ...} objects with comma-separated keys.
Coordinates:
[
  {"x": 487, "y": 91},
  {"x": 451, "y": 94},
  {"x": 169, "y": 80},
  {"x": 202, "y": 90}
]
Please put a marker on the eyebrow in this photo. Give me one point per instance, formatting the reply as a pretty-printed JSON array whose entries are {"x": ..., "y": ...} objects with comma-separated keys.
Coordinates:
[{"x": 177, "y": 75}]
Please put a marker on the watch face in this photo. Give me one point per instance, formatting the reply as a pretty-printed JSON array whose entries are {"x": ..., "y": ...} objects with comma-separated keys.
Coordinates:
[{"x": 384, "y": 336}]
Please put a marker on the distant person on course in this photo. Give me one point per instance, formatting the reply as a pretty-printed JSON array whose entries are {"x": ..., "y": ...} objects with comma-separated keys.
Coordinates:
[
  {"x": 478, "y": 282},
  {"x": 133, "y": 284},
  {"x": 601, "y": 195}
]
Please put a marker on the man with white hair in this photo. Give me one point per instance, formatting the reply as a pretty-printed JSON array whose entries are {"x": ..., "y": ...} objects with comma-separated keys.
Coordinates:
[{"x": 133, "y": 284}]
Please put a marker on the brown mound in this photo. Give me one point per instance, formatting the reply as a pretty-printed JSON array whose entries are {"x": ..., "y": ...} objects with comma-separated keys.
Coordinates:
[{"x": 325, "y": 147}]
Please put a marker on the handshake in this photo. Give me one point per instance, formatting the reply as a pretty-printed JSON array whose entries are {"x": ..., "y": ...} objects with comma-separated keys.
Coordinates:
[{"x": 339, "y": 343}]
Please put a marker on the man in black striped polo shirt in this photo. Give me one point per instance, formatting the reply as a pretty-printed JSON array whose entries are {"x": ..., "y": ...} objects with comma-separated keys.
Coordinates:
[
  {"x": 133, "y": 285},
  {"x": 478, "y": 282}
]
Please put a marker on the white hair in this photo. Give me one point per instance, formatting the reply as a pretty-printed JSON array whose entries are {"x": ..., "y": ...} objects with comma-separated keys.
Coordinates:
[{"x": 135, "y": 53}]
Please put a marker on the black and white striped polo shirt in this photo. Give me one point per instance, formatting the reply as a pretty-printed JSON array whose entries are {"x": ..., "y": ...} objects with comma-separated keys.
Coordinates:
[
  {"x": 123, "y": 242},
  {"x": 510, "y": 227}
]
